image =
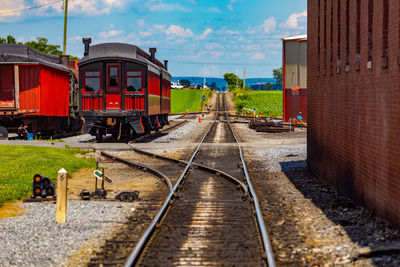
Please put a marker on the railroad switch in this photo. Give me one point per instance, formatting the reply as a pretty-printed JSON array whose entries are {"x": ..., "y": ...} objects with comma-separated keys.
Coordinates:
[
  {"x": 129, "y": 196},
  {"x": 85, "y": 194},
  {"x": 100, "y": 193}
]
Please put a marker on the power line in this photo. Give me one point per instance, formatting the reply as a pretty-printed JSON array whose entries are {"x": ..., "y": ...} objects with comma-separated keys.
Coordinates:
[
  {"x": 29, "y": 8},
  {"x": 223, "y": 63}
]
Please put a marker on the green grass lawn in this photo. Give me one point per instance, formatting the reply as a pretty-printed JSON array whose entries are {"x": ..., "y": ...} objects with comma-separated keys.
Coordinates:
[
  {"x": 185, "y": 98},
  {"x": 18, "y": 165},
  {"x": 268, "y": 103}
]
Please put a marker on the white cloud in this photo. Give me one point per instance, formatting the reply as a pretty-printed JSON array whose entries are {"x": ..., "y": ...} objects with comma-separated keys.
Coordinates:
[
  {"x": 110, "y": 33},
  {"x": 205, "y": 34},
  {"x": 11, "y": 5},
  {"x": 269, "y": 25},
  {"x": 232, "y": 32},
  {"x": 251, "y": 47},
  {"x": 258, "y": 56},
  {"x": 295, "y": 21},
  {"x": 229, "y": 7},
  {"x": 141, "y": 23},
  {"x": 76, "y": 38},
  {"x": 178, "y": 31},
  {"x": 159, "y": 5},
  {"x": 145, "y": 33},
  {"x": 213, "y": 9},
  {"x": 87, "y": 7},
  {"x": 160, "y": 27}
]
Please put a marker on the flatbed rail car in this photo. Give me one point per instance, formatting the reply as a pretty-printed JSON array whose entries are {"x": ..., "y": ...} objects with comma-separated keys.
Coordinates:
[
  {"x": 123, "y": 90},
  {"x": 38, "y": 94}
]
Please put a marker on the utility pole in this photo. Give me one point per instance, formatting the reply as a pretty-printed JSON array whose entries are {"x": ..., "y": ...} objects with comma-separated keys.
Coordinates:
[
  {"x": 65, "y": 27},
  {"x": 244, "y": 78}
]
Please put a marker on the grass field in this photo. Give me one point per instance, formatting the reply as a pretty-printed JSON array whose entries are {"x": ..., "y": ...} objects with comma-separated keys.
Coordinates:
[
  {"x": 18, "y": 165},
  {"x": 185, "y": 99},
  {"x": 268, "y": 103}
]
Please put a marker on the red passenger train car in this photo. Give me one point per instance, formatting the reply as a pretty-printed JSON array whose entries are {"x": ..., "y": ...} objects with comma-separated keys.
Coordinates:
[
  {"x": 37, "y": 92},
  {"x": 123, "y": 90}
]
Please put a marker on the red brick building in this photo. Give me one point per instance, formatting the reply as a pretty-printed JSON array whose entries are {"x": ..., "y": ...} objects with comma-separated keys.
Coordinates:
[{"x": 354, "y": 100}]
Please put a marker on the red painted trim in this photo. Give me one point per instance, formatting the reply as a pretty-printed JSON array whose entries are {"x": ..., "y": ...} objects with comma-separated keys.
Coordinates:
[
  {"x": 141, "y": 123},
  {"x": 284, "y": 82},
  {"x": 159, "y": 125}
]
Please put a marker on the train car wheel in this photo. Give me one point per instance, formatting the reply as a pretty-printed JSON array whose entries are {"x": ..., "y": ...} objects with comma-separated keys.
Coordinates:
[
  {"x": 3, "y": 133},
  {"x": 99, "y": 135}
]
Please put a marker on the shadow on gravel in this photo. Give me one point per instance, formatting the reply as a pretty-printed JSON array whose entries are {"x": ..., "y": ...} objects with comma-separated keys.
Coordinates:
[{"x": 361, "y": 226}]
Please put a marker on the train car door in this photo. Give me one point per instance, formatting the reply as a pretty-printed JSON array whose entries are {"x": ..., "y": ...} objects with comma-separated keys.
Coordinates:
[
  {"x": 7, "y": 96},
  {"x": 113, "y": 86}
]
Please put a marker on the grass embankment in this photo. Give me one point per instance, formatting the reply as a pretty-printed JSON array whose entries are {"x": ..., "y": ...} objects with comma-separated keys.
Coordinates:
[
  {"x": 268, "y": 103},
  {"x": 18, "y": 165},
  {"x": 182, "y": 99}
]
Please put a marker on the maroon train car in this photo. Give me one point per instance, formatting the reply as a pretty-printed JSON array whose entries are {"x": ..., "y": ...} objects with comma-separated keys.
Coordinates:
[
  {"x": 35, "y": 92},
  {"x": 123, "y": 90},
  {"x": 295, "y": 77}
]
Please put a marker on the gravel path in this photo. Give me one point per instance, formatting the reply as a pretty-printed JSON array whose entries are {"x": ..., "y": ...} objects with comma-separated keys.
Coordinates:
[
  {"x": 309, "y": 223},
  {"x": 35, "y": 239}
]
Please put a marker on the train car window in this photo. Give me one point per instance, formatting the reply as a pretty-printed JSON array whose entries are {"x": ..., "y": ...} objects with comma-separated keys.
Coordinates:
[
  {"x": 92, "y": 82},
  {"x": 113, "y": 76},
  {"x": 133, "y": 81},
  {"x": 92, "y": 74},
  {"x": 134, "y": 84},
  {"x": 134, "y": 73}
]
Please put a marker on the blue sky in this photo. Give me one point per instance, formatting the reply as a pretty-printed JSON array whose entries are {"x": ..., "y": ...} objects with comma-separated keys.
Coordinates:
[{"x": 198, "y": 37}]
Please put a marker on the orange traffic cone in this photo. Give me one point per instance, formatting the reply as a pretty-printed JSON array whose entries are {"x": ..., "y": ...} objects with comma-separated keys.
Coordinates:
[{"x": 200, "y": 118}]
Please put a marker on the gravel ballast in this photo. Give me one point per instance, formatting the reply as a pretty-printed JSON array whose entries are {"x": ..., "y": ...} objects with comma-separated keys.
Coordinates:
[{"x": 35, "y": 239}]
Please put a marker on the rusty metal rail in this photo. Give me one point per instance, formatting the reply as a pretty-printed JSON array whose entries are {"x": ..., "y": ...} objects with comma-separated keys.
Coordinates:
[
  {"x": 148, "y": 169},
  {"x": 202, "y": 167},
  {"x": 260, "y": 220},
  {"x": 147, "y": 235}
]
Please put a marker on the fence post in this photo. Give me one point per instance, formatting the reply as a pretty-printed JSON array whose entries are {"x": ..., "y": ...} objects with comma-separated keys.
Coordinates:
[{"x": 61, "y": 214}]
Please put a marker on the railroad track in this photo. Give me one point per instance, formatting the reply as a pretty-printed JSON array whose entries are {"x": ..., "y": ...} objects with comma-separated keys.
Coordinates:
[{"x": 205, "y": 220}]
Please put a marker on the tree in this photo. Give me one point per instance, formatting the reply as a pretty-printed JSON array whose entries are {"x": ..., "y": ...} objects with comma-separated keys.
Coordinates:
[
  {"x": 8, "y": 40},
  {"x": 213, "y": 85},
  {"x": 185, "y": 82},
  {"x": 41, "y": 45},
  {"x": 233, "y": 80},
  {"x": 278, "y": 75},
  {"x": 268, "y": 86}
]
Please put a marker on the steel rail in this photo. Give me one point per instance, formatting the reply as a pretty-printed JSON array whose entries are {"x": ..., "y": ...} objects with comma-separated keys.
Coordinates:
[
  {"x": 145, "y": 237},
  {"x": 260, "y": 220},
  {"x": 151, "y": 170},
  {"x": 220, "y": 173}
]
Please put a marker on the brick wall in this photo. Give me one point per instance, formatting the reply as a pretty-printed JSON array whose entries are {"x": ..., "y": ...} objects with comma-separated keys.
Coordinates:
[{"x": 354, "y": 111}]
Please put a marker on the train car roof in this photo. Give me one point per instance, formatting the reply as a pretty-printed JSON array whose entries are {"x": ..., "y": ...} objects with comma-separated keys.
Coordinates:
[
  {"x": 296, "y": 38},
  {"x": 119, "y": 50},
  {"x": 17, "y": 53}
]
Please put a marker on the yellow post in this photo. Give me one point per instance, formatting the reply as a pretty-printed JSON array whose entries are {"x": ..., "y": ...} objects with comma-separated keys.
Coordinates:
[
  {"x": 61, "y": 214},
  {"x": 65, "y": 27}
]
